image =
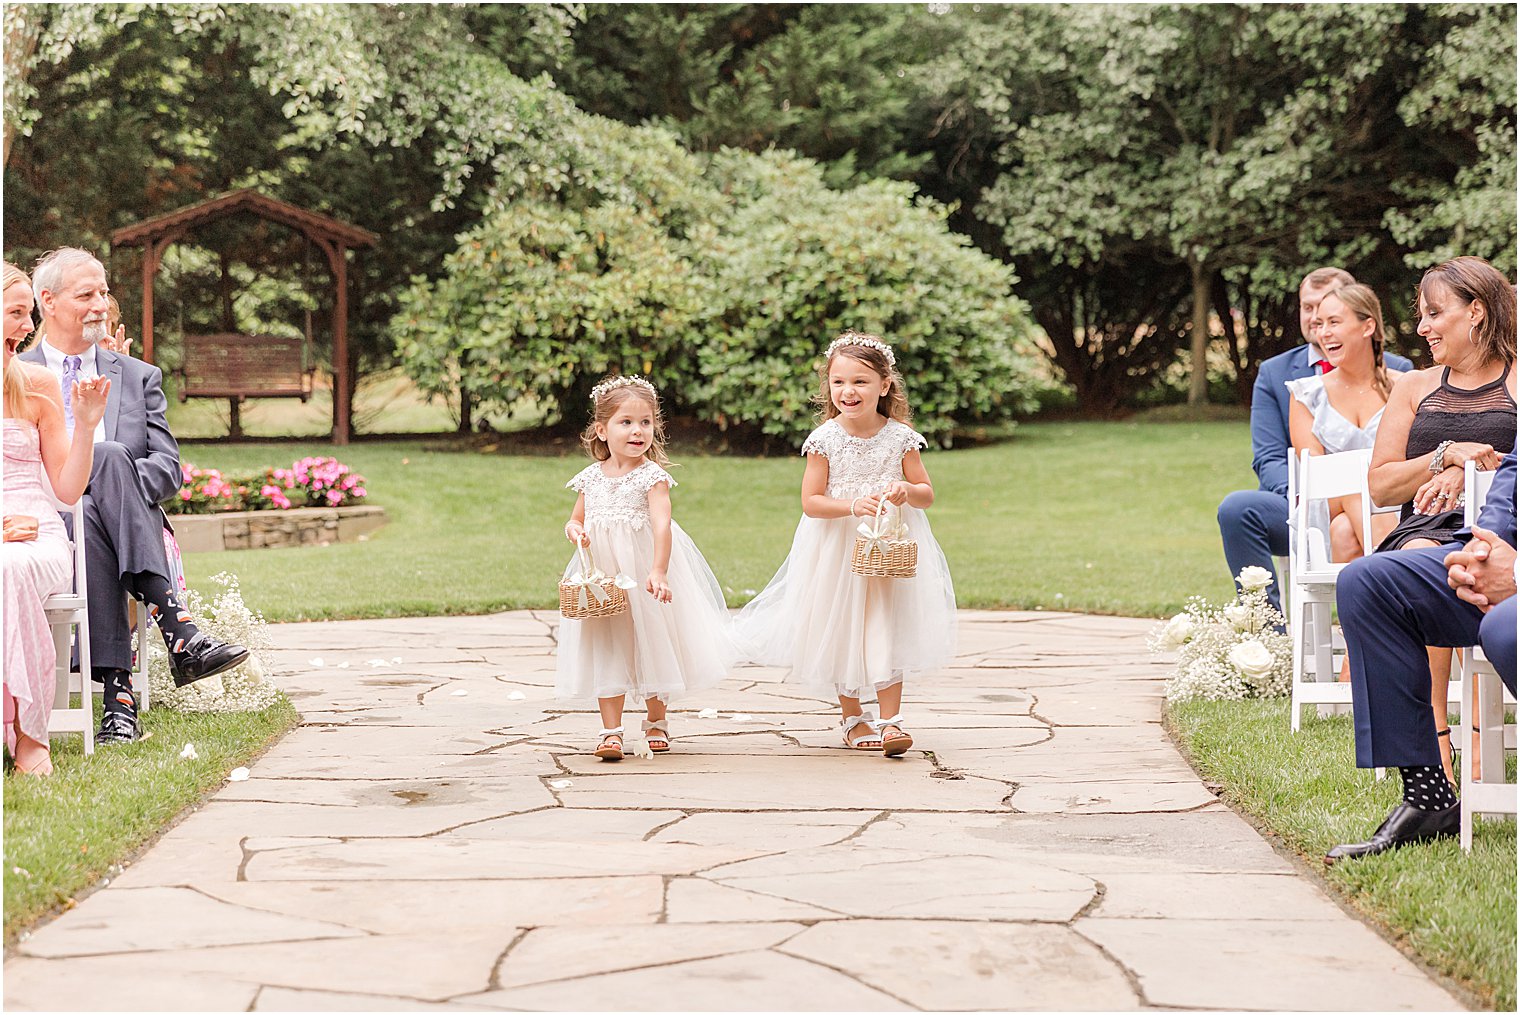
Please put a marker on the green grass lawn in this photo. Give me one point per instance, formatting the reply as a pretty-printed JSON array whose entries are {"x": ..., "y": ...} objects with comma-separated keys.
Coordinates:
[
  {"x": 1099, "y": 517},
  {"x": 67, "y": 832},
  {"x": 1456, "y": 911}
]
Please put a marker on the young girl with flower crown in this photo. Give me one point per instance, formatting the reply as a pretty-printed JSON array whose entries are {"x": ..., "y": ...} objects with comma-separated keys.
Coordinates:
[
  {"x": 675, "y": 637},
  {"x": 842, "y": 635}
]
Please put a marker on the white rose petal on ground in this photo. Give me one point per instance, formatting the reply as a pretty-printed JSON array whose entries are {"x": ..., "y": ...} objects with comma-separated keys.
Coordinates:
[
  {"x": 378, "y": 662},
  {"x": 560, "y": 784},
  {"x": 395, "y": 660},
  {"x": 742, "y": 717},
  {"x": 238, "y": 775},
  {"x": 317, "y": 662},
  {"x": 516, "y": 696},
  {"x": 188, "y": 753},
  {"x": 343, "y": 666},
  {"x": 708, "y": 713},
  {"x": 459, "y": 693}
]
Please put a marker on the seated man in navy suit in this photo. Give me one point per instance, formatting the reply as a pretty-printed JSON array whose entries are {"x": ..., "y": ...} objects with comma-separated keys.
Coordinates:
[
  {"x": 1254, "y": 523},
  {"x": 1394, "y": 604}
]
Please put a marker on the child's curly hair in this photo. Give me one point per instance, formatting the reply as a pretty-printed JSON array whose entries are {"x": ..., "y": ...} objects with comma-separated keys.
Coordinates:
[
  {"x": 868, "y": 350},
  {"x": 609, "y": 394}
]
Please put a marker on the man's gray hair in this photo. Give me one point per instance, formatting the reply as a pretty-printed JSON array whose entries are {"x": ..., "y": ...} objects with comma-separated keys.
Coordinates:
[{"x": 53, "y": 266}]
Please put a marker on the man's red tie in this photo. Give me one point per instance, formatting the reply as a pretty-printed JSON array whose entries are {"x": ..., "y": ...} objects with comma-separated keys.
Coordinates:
[{"x": 1324, "y": 365}]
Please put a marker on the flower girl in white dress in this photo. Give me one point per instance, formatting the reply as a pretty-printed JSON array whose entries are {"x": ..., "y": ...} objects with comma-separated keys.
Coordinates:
[
  {"x": 844, "y": 636},
  {"x": 677, "y": 637}
]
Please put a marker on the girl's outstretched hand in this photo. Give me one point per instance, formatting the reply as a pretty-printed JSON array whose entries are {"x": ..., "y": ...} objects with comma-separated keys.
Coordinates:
[
  {"x": 657, "y": 587},
  {"x": 897, "y": 493},
  {"x": 576, "y": 533}
]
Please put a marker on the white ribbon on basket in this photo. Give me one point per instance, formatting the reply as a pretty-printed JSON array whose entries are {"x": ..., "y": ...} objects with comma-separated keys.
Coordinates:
[
  {"x": 878, "y": 532},
  {"x": 590, "y": 581}
]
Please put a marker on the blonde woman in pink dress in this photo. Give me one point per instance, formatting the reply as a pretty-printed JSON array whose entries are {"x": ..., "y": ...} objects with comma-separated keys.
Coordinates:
[{"x": 35, "y": 560}]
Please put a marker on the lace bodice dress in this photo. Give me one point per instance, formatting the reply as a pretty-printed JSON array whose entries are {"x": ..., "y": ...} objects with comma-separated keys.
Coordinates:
[
  {"x": 837, "y": 632},
  {"x": 1485, "y": 414},
  {"x": 653, "y": 649},
  {"x": 32, "y": 571}
]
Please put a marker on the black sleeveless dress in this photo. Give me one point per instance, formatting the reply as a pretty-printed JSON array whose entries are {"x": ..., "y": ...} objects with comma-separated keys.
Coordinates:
[{"x": 1485, "y": 414}]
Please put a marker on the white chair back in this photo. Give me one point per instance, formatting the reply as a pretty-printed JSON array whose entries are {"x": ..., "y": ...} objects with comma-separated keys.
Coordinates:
[
  {"x": 1476, "y": 484},
  {"x": 1322, "y": 478},
  {"x": 66, "y": 610}
]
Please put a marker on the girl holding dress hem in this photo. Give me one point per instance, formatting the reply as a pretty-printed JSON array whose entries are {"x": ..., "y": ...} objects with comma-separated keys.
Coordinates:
[
  {"x": 846, "y": 637},
  {"x": 675, "y": 637}
]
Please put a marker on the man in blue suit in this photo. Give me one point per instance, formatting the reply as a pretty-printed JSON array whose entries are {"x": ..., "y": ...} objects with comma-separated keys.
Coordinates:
[
  {"x": 1394, "y": 604},
  {"x": 1254, "y": 523}
]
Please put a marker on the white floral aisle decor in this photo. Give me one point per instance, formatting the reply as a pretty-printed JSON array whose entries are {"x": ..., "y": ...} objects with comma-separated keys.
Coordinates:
[
  {"x": 1230, "y": 652},
  {"x": 244, "y": 688}
]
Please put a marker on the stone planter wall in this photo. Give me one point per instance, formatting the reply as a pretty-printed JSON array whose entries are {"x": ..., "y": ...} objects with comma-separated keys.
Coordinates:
[{"x": 253, "y": 530}]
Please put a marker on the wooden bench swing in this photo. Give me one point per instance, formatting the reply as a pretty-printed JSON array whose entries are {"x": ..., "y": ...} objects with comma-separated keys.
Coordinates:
[{"x": 234, "y": 366}]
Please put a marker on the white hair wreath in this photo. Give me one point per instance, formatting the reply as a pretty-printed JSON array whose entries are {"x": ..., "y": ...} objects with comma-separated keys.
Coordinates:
[
  {"x": 856, "y": 338},
  {"x": 627, "y": 380}
]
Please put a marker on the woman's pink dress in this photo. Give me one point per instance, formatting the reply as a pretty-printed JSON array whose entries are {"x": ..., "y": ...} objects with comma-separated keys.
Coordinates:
[{"x": 33, "y": 570}]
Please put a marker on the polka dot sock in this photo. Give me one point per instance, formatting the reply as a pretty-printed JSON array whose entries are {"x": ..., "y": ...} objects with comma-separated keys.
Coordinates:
[
  {"x": 1426, "y": 788},
  {"x": 164, "y": 609}
]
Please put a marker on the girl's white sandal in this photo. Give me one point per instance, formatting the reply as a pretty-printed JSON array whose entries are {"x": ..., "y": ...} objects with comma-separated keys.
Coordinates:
[
  {"x": 606, "y": 749},
  {"x": 865, "y": 741},
  {"x": 658, "y": 744},
  {"x": 898, "y": 745}
]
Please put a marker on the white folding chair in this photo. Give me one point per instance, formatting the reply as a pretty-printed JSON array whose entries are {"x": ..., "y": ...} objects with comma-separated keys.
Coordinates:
[
  {"x": 1313, "y": 575},
  {"x": 140, "y": 661},
  {"x": 1483, "y": 701},
  {"x": 65, "y": 611}
]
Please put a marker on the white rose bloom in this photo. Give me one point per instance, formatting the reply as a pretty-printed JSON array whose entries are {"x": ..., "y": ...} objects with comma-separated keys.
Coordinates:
[
  {"x": 1177, "y": 631},
  {"x": 1254, "y": 579},
  {"x": 1238, "y": 617},
  {"x": 1252, "y": 658}
]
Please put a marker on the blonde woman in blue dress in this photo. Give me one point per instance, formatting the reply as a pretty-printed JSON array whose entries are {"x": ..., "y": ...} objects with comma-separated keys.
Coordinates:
[
  {"x": 845, "y": 637},
  {"x": 676, "y": 635}
]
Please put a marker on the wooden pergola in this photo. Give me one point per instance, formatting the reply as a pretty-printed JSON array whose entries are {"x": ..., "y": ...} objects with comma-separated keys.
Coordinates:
[{"x": 334, "y": 237}]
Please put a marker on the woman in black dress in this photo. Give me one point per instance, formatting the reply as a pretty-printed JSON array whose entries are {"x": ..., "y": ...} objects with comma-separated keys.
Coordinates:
[{"x": 1438, "y": 419}]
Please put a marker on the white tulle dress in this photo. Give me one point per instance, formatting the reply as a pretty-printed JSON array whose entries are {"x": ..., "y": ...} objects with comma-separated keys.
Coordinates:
[
  {"x": 653, "y": 649},
  {"x": 839, "y": 633}
]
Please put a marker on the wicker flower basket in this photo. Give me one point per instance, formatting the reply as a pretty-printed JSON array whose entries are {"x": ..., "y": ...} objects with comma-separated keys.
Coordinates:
[
  {"x": 591, "y": 595},
  {"x": 882, "y": 549}
]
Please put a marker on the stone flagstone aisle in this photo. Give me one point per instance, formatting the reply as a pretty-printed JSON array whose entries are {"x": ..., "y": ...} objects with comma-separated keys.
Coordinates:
[{"x": 434, "y": 836}]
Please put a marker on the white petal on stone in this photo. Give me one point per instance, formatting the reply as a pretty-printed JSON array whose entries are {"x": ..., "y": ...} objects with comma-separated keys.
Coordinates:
[
  {"x": 560, "y": 784},
  {"x": 343, "y": 666},
  {"x": 708, "y": 713},
  {"x": 643, "y": 750},
  {"x": 395, "y": 660},
  {"x": 516, "y": 696},
  {"x": 742, "y": 717},
  {"x": 459, "y": 693},
  {"x": 378, "y": 662},
  {"x": 238, "y": 775},
  {"x": 188, "y": 753},
  {"x": 316, "y": 661}
]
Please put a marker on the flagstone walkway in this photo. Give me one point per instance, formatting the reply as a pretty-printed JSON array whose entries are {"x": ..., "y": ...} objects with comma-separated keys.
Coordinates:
[{"x": 433, "y": 835}]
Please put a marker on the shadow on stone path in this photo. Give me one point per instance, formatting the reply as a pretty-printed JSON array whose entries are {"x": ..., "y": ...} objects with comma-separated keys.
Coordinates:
[{"x": 433, "y": 835}]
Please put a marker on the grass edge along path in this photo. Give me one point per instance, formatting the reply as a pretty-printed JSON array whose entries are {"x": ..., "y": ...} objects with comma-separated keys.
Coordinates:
[
  {"x": 67, "y": 832},
  {"x": 1453, "y": 912}
]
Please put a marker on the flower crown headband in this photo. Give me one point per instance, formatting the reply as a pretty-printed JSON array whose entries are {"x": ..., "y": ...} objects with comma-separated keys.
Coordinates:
[
  {"x": 626, "y": 381},
  {"x": 856, "y": 338}
]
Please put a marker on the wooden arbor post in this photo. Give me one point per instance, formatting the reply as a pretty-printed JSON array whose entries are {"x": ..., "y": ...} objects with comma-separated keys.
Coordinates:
[
  {"x": 153, "y": 256},
  {"x": 337, "y": 260}
]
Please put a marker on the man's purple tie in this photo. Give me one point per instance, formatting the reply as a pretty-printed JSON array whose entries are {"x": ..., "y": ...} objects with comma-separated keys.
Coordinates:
[{"x": 71, "y": 366}]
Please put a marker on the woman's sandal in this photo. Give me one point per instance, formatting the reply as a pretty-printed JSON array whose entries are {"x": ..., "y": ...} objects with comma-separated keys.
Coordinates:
[
  {"x": 611, "y": 746},
  {"x": 893, "y": 746},
  {"x": 657, "y": 744},
  {"x": 870, "y": 741}
]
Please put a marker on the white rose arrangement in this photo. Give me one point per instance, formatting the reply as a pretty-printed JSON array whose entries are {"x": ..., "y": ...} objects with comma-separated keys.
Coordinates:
[
  {"x": 244, "y": 688},
  {"x": 1231, "y": 652}
]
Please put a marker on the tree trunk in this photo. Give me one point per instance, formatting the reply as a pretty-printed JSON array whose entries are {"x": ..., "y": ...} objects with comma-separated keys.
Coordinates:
[
  {"x": 1198, "y": 391},
  {"x": 23, "y": 25}
]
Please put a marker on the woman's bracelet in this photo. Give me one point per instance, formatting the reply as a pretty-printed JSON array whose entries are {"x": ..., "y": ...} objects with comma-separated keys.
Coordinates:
[
  {"x": 852, "y": 507},
  {"x": 1438, "y": 459}
]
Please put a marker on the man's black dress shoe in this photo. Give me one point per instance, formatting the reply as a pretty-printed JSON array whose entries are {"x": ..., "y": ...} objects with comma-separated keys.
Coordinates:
[
  {"x": 204, "y": 656},
  {"x": 1403, "y": 825},
  {"x": 119, "y": 727}
]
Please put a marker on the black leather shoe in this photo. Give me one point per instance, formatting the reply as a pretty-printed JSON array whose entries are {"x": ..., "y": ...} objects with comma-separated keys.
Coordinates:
[
  {"x": 203, "y": 656},
  {"x": 1403, "y": 825},
  {"x": 119, "y": 727}
]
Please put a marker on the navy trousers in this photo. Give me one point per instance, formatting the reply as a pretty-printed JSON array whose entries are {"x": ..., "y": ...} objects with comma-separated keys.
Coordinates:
[
  {"x": 1254, "y": 527},
  {"x": 1391, "y": 606}
]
